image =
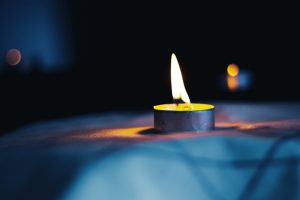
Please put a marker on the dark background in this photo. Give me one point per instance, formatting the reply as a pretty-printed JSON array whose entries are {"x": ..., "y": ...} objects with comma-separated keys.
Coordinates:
[{"x": 117, "y": 56}]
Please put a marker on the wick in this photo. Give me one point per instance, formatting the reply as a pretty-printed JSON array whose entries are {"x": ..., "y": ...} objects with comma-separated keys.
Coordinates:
[
  {"x": 187, "y": 106},
  {"x": 177, "y": 102}
]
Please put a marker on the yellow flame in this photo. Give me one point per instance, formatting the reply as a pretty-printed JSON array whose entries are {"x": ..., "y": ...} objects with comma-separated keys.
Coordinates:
[
  {"x": 178, "y": 89},
  {"x": 233, "y": 70}
]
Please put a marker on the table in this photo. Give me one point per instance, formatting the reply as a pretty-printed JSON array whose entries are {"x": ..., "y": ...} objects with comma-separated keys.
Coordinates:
[{"x": 254, "y": 153}]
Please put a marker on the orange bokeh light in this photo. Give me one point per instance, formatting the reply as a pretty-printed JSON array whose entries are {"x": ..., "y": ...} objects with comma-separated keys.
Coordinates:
[
  {"x": 233, "y": 70},
  {"x": 232, "y": 83}
]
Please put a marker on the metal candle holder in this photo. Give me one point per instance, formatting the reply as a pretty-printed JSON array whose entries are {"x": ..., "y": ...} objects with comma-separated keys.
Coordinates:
[{"x": 169, "y": 119}]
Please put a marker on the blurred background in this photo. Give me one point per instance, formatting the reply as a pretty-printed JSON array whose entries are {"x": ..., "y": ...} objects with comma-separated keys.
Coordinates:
[{"x": 62, "y": 58}]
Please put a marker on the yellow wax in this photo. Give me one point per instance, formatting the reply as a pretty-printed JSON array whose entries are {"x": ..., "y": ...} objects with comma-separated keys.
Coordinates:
[{"x": 184, "y": 107}]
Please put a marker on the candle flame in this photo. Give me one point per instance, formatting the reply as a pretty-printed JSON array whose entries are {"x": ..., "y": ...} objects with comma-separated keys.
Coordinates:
[{"x": 178, "y": 89}]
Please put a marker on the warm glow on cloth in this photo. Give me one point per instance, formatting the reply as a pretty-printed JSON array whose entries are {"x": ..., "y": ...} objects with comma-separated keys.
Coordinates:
[{"x": 249, "y": 145}]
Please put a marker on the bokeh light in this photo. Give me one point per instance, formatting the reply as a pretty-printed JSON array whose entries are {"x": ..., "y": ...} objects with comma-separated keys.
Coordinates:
[
  {"x": 232, "y": 83},
  {"x": 13, "y": 57},
  {"x": 233, "y": 70}
]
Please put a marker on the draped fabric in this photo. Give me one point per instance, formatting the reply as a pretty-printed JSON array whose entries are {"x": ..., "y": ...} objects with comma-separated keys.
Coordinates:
[{"x": 253, "y": 153}]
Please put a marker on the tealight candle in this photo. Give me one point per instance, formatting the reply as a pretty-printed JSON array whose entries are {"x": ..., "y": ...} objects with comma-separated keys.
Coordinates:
[{"x": 185, "y": 116}]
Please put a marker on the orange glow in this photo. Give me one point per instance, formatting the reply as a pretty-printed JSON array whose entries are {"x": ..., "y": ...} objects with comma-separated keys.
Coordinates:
[
  {"x": 232, "y": 83},
  {"x": 178, "y": 88},
  {"x": 233, "y": 70}
]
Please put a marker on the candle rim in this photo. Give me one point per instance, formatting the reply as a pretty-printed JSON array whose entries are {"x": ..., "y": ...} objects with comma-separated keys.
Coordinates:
[{"x": 207, "y": 107}]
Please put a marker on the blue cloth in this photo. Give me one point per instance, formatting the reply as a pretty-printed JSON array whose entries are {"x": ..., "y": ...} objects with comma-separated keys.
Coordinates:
[
  {"x": 253, "y": 154},
  {"x": 214, "y": 167}
]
